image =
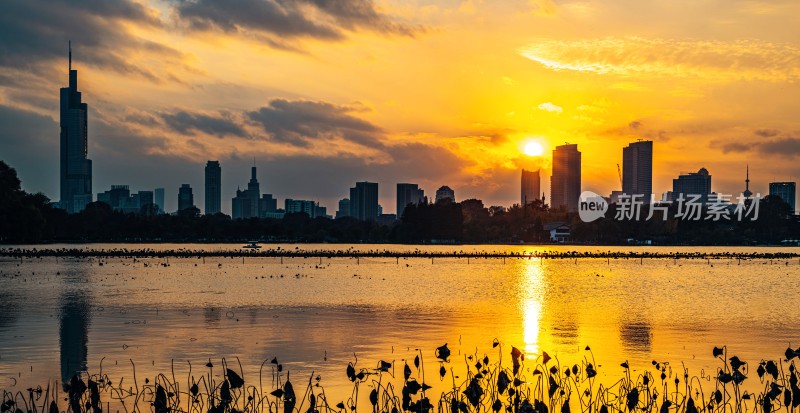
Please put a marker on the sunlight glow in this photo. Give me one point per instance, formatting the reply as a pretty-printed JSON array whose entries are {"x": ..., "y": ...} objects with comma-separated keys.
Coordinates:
[{"x": 533, "y": 149}]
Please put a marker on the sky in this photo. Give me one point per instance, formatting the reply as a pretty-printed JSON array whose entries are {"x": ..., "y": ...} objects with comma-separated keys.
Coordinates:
[{"x": 323, "y": 93}]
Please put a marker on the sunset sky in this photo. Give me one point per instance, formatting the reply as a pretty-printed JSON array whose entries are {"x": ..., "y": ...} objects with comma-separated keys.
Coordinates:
[{"x": 323, "y": 93}]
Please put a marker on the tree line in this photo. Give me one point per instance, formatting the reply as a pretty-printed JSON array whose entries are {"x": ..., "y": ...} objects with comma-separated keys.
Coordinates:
[{"x": 32, "y": 218}]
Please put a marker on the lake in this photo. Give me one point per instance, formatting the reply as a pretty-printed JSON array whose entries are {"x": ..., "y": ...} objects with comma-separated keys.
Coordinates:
[{"x": 317, "y": 315}]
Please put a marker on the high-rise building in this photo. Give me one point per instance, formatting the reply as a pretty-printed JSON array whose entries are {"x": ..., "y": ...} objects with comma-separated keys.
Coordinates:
[
  {"x": 444, "y": 193},
  {"x": 158, "y": 198},
  {"x": 116, "y": 197},
  {"x": 637, "y": 169},
  {"x": 145, "y": 198},
  {"x": 786, "y": 191},
  {"x": 344, "y": 208},
  {"x": 246, "y": 203},
  {"x": 213, "y": 187},
  {"x": 565, "y": 182},
  {"x": 408, "y": 194},
  {"x": 185, "y": 197},
  {"x": 692, "y": 183},
  {"x": 267, "y": 205},
  {"x": 310, "y": 208},
  {"x": 364, "y": 201},
  {"x": 76, "y": 167},
  {"x": 530, "y": 188}
]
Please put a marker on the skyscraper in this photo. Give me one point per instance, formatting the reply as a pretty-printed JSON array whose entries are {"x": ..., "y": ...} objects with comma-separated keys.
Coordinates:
[
  {"x": 445, "y": 193},
  {"x": 185, "y": 197},
  {"x": 565, "y": 183},
  {"x": 637, "y": 169},
  {"x": 344, "y": 208},
  {"x": 76, "y": 167},
  {"x": 364, "y": 201},
  {"x": 692, "y": 183},
  {"x": 408, "y": 194},
  {"x": 158, "y": 196},
  {"x": 245, "y": 204},
  {"x": 530, "y": 188},
  {"x": 213, "y": 187},
  {"x": 786, "y": 191}
]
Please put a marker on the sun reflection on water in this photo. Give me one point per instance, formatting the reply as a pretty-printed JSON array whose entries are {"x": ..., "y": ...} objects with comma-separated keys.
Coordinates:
[{"x": 531, "y": 302}]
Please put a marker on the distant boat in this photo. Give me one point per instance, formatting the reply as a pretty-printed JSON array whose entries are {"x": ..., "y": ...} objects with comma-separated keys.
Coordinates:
[{"x": 252, "y": 245}]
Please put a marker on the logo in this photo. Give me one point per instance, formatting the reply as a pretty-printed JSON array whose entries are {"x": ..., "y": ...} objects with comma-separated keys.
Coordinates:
[{"x": 591, "y": 206}]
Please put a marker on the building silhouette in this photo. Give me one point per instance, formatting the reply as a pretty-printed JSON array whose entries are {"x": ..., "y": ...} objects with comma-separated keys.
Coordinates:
[
  {"x": 185, "y": 197},
  {"x": 637, "y": 169},
  {"x": 310, "y": 208},
  {"x": 213, "y": 188},
  {"x": 158, "y": 199},
  {"x": 408, "y": 194},
  {"x": 245, "y": 203},
  {"x": 364, "y": 201},
  {"x": 344, "y": 208},
  {"x": 120, "y": 198},
  {"x": 786, "y": 191},
  {"x": 267, "y": 205},
  {"x": 692, "y": 183},
  {"x": 76, "y": 167},
  {"x": 444, "y": 193},
  {"x": 530, "y": 187},
  {"x": 565, "y": 182}
]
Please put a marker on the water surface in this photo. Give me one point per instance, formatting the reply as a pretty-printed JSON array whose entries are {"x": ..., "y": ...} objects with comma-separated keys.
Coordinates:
[{"x": 316, "y": 315}]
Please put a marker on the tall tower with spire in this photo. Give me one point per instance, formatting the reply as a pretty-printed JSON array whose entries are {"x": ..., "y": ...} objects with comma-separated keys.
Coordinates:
[
  {"x": 747, "y": 193},
  {"x": 76, "y": 167}
]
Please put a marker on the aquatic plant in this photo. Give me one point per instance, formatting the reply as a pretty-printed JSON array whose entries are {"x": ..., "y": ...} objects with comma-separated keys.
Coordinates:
[{"x": 526, "y": 385}]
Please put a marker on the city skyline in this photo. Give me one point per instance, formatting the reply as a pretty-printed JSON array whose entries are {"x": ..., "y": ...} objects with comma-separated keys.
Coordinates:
[{"x": 167, "y": 99}]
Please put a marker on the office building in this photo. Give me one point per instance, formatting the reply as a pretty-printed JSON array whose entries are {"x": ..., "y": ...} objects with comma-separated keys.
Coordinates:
[
  {"x": 637, "y": 169},
  {"x": 310, "y": 208},
  {"x": 213, "y": 188},
  {"x": 245, "y": 203},
  {"x": 364, "y": 201},
  {"x": 530, "y": 189},
  {"x": 116, "y": 197},
  {"x": 408, "y": 194},
  {"x": 786, "y": 191},
  {"x": 76, "y": 167},
  {"x": 344, "y": 208},
  {"x": 565, "y": 182},
  {"x": 692, "y": 183},
  {"x": 185, "y": 197},
  {"x": 120, "y": 198},
  {"x": 445, "y": 193},
  {"x": 158, "y": 199},
  {"x": 267, "y": 205}
]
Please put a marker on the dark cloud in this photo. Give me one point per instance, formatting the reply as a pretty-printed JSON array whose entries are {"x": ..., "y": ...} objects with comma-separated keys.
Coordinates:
[
  {"x": 735, "y": 147},
  {"x": 219, "y": 125},
  {"x": 766, "y": 133},
  {"x": 301, "y": 122},
  {"x": 786, "y": 146},
  {"x": 635, "y": 125},
  {"x": 36, "y": 32},
  {"x": 321, "y": 19}
]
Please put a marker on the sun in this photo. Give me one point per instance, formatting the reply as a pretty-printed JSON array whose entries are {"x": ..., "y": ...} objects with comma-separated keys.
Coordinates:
[{"x": 533, "y": 149}]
